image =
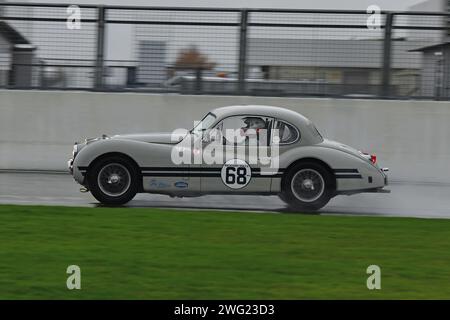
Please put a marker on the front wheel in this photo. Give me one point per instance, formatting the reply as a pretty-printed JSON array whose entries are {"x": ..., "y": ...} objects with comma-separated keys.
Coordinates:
[
  {"x": 307, "y": 186},
  {"x": 113, "y": 181}
]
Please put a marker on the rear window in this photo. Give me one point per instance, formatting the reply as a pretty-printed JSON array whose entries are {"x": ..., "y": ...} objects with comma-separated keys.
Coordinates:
[{"x": 286, "y": 132}]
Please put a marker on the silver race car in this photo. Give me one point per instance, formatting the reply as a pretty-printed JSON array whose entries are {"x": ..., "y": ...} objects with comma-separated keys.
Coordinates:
[{"x": 233, "y": 150}]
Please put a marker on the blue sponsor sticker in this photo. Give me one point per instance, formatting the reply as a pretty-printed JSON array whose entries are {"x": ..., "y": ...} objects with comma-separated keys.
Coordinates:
[
  {"x": 159, "y": 184},
  {"x": 181, "y": 184}
]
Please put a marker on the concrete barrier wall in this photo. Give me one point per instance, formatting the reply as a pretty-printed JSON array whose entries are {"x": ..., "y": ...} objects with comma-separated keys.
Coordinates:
[{"x": 38, "y": 128}]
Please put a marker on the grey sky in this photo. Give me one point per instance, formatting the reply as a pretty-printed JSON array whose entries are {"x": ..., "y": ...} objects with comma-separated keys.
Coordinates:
[{"x": 292, "y": 4}]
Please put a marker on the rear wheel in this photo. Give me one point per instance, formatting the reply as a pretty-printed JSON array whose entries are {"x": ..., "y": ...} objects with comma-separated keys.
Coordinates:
[
  {"x": 113, "y": 180},
  {"x": 307, "y": 186}
]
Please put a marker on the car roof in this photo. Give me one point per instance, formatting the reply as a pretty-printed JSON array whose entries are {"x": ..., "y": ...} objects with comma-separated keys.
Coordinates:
[{"x": 269, "y": 111}]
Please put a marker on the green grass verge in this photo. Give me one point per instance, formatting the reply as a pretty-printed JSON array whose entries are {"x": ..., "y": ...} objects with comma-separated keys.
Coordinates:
[{"x": 133, "y": 253}]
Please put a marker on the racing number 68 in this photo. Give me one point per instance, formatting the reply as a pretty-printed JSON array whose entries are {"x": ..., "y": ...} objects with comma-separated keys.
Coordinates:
[{"x": 236, "y": 175}]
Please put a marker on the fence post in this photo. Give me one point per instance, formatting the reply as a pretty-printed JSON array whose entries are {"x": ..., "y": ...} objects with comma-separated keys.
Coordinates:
[
  {"x": 198, "y": 80},
  {"x": 242, "y": 52},
  {"x": 99, "y": 63},
  {"x": 387, "y": 45}
]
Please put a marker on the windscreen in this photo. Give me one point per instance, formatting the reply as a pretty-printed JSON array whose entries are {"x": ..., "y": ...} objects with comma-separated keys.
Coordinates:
[{"x": 206, "y": 123}]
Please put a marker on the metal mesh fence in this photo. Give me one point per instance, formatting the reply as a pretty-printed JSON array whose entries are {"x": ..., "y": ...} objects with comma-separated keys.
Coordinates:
[
  {"x": 169, "y": 46},
  {"x": 225, "y": 51},
  {"x": 420, "y": 56},
  {"x": 311, "y": 53},
  {"x": 44, "y": 53}
]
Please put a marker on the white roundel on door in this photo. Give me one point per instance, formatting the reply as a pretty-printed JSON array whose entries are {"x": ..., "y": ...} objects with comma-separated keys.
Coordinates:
[{"x": 236, "y": 173}]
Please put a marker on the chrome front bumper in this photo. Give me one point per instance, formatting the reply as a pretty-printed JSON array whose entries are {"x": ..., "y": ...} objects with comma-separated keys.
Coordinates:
[
  {"x": 70, "y": 166},
  {"x": 386, "y": 182}
]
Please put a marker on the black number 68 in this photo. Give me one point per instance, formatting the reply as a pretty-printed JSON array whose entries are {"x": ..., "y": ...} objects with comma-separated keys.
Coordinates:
[{"x": 236, "y": 175}]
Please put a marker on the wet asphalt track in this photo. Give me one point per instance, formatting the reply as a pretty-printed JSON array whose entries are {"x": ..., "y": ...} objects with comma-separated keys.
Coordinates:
[{"x": 426, "y": 200}]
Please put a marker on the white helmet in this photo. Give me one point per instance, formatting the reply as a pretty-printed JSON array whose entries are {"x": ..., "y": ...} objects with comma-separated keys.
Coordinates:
[{"x": 254, "y": 123}]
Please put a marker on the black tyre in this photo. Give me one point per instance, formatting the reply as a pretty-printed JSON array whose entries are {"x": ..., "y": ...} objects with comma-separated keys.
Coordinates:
[
  {"x": 113, "y": 180},
  {"x": 307, "y": 186},
  {"x": 282, "y": 197}
]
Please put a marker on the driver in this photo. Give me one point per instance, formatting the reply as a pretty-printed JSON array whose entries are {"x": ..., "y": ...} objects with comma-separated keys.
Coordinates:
[
  {"x": 253, "y": 127},
  {"x": 254, "y": 123}
]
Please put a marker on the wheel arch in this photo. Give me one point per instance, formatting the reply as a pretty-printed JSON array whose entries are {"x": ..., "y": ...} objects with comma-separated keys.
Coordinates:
[{"x": 314, "y": 160}]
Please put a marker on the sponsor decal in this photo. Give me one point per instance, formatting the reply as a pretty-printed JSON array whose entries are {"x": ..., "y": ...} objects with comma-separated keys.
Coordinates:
[
  {"x": 236, "y": 173},
  {"x": 181, "y": 184},
  {"x": 159, "y": 184}
]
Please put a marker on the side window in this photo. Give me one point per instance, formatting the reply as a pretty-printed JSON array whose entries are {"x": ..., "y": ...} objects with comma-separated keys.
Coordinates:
[
  {"x": 246, "y": 130},
  {"x": 286, "y": 132}
]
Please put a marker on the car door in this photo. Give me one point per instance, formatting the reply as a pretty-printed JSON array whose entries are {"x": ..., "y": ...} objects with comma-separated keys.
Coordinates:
[
  {"x": 165, "y": 175},
  {"x": 241, "y": 147}
]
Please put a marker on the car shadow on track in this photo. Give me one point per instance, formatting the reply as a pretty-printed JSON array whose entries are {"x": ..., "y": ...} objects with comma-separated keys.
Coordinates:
[{"x": 145, "y": 204}]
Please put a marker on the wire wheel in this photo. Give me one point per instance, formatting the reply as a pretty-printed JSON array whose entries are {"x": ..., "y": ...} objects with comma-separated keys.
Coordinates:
[
  {"x": 307, "y": 185},
  {"x": 114, "y": 179}
]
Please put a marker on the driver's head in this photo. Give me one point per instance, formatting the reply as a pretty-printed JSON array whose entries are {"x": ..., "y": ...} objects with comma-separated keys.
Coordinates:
[{"x": 254, "y": 123}]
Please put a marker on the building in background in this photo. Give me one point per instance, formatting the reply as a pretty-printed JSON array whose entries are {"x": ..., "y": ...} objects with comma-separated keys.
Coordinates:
[
  {"x": 141, "y": 48},
  {"x": 16, "y": 58},
  {"x": 15, "y": 53},
  {"x": 152, "y": 63},
  {"x": 63, "y": 58},
  {"x": 337, "y": 65},
  {"x": 435, "y": 73},
  {"x": 442, "y": 6},
  {"x": 435, "y": 60}
]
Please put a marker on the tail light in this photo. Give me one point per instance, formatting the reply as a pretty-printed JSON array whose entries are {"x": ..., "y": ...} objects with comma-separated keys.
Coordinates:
[{"x": 371, "y": 157}]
